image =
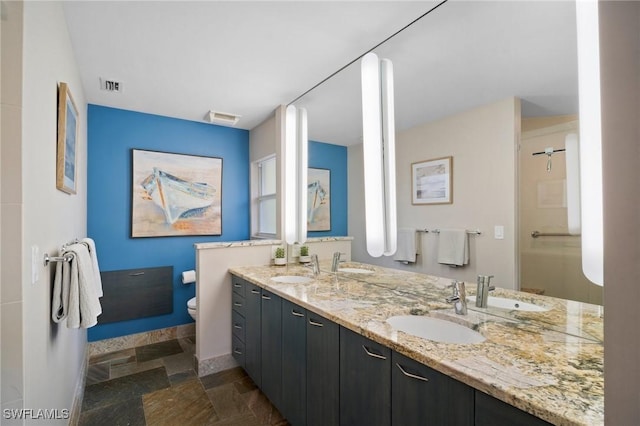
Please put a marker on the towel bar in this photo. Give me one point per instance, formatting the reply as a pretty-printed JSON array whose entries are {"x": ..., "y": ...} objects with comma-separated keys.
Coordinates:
[
  {"x": 536, "y": 234},
  {"x": 437, "y": 231},
  {"x": 65, "y": 258}
]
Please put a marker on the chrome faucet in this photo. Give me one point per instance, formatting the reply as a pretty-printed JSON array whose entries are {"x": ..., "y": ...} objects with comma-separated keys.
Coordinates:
[
  {"x": 458, "y": 298},
  {"x": 483, "y": 289},
  {"x": 315, "y": 266},
  {"x": 336, "y": 261}
]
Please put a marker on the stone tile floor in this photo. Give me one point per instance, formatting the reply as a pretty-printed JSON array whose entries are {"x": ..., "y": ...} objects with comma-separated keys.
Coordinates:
[{"x": 156, "y": 385}]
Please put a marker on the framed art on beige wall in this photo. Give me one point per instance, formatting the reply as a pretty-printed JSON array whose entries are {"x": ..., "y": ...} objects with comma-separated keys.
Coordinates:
[
  {"x": 432, "y": 181},
  {"x": 67, "y": 141}
]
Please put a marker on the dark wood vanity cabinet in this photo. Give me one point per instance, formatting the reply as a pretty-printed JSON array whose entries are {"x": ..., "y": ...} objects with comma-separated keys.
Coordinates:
[
  {"x": 253, "y": 333},
  {"x": 294, "y": 363},
  {"x": 365, "y": 381},
  {"x": 423, "y": 396},
  {"x": 323, "y": 371},
  {"x": 319, "y": 373},
  {"x": 271, "y": 347}
]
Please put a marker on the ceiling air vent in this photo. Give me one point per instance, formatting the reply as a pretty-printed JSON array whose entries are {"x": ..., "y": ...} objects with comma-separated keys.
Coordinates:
[
  {"x": 223, "y": 118},
  {"x": 110, "y": 85}
]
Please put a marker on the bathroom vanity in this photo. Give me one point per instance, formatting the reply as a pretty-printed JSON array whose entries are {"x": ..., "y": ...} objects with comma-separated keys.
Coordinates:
[{"x": 322, "y": 351}]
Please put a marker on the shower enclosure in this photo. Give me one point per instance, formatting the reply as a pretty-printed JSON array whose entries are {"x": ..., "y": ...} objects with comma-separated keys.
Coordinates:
[{"x": 550, "y": 257}]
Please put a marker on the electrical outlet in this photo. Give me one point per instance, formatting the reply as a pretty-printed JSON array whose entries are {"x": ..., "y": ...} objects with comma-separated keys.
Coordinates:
[
  {"x": 35, "y": 264},
  {"x": 498, "y": 232}
]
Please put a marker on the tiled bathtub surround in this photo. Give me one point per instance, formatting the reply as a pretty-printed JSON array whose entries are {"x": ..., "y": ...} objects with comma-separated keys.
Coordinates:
[{"x": 549, "y": 364}]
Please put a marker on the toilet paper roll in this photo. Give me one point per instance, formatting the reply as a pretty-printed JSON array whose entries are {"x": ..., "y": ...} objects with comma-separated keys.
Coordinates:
[{"x": 189, "y": 277}]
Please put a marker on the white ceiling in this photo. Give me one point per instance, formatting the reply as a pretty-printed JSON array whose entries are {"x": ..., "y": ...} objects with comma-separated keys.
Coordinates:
[{"x": 181, "y": 59}]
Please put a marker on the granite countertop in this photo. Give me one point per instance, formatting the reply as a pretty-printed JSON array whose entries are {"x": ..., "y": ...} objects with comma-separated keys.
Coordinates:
[{"x": 549, "y": 364}]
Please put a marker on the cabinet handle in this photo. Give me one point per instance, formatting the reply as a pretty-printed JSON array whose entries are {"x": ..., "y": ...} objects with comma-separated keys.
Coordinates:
[
  {"x": 413, "y": 376},
  {"x": 371, "y": 354},
  {"x": 254, "y": 291},
  {"x": 317, "y": 324},
  {"x": 265, "y": 297},
  {"x": 237, "y": 304},
  {"x": 239, "y": 327},
  {"x": 236, "y": 351},
  {"x": 296, "y": 314},
  {"x": 237, "y": 285}
]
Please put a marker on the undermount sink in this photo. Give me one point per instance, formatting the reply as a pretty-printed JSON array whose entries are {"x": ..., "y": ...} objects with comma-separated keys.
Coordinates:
[
  {"x": 292, "y": 279},
  {"x": 355, "y": 270},
  {"x": 509, "y": 304},
  {"x": 435, "y": 329}
]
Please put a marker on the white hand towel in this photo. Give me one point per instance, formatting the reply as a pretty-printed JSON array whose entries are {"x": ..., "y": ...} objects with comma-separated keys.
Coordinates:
[
  {"x": 60, "y": 298},
  {"x": 406, "y": 251},
  {"x": 96, "y": 268},
  {"x": 84, "y": 305},
  {"x": 453, "y": 247}
]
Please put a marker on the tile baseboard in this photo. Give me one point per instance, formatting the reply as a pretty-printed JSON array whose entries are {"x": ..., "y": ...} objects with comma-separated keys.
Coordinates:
[
  {"x": 214, "y": 365},
  {"x": 140, "y": 339}
]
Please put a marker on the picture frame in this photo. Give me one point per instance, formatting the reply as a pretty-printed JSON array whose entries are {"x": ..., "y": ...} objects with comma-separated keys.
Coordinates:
[
  {"x": 66, "y": 158},
  {"x": 318, "y": 199},
  {"x": 175, "y": 194},
  {"x": 432, "y": 181}
]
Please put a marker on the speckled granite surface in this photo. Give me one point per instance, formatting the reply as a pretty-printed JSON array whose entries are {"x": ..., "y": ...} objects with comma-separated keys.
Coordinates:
[{"x": 549, "y": 364}]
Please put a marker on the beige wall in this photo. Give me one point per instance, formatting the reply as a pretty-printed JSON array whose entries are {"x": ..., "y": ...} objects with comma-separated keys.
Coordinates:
[
  {"x": 483, "y": 144},
  {"x": 11, "y": 302},
  {"x": 620, "y": 83},
  {"x": 43, "y": 361}
]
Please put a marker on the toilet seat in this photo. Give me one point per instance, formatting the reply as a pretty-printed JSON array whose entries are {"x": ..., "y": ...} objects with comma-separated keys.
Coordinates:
[{"x": 191, "y": 304}]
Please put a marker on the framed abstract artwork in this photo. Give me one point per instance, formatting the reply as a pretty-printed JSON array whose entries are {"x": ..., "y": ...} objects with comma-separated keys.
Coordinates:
[
  {"x": 432, "y": 181},
  {"x": 175, "y": 194},
  {"x": 319, "y": 200}
]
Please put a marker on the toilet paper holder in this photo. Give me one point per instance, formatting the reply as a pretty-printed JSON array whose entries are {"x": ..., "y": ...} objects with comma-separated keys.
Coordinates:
[{"x": 189, "y": 277}]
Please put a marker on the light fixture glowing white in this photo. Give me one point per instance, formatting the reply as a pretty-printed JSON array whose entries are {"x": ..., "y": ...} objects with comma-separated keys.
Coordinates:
[
  {"x": 295, "y": 175},
  {"x": 378, "y": 133},
  {"x": 572, "y": 159},
  {"x": 590, "y": 139}
]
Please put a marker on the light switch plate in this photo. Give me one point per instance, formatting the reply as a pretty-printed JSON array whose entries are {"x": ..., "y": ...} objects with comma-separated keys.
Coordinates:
[{"x": 498, "y": 232}]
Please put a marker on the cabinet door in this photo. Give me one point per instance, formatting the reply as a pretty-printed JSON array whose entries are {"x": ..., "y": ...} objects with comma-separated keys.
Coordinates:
[
  {"x": 294, "y": 363},
  {"x": 252, "y": 331},
  {"x": 423, "y": 396},
  {"x": 323, "y": 374},
  {"x": 272, "y": 347},
  {"x": 493, "y": 412},
  {"x": 365, "y": 381}
]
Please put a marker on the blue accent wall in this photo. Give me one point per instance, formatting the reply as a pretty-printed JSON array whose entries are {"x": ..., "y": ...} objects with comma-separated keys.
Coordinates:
[
  {"x": 332, "y": 157},
  {"x": 112, "y": 133}
]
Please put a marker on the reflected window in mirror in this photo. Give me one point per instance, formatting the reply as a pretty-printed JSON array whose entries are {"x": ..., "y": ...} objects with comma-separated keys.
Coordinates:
[{"x": 265, "y": 197}]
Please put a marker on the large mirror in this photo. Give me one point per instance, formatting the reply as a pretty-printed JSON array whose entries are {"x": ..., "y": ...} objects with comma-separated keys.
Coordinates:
[{"x": 488, "y": 84}]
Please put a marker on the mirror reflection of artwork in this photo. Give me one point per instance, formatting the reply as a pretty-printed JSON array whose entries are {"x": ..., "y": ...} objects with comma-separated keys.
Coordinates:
[
  {"x": 432, "y": 181},
  {"x": 175, "y": 194},
  {"x": 318, "y": 200}
]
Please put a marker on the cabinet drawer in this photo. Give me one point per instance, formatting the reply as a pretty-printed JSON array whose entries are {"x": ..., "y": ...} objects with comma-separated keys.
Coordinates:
[
  {"x": 238, "y": 303},
  {"x": 237, "y": 325},
  {"x": 237, "y": 350},
  {"x": 238, "y": 285}
]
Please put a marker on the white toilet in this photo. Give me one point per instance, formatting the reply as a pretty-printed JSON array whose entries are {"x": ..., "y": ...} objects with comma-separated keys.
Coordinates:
[{"x": 191, "y": 307}]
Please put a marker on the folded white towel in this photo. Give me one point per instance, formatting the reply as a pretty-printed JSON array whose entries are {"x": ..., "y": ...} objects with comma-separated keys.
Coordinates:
[
  {"x": 60, "y": 298},
  {"x": 453, "y": 247},
  {"x": 406, "y": 251},
  {"x": 84, "y": 306},
  {"x": 96, "y": 268}
]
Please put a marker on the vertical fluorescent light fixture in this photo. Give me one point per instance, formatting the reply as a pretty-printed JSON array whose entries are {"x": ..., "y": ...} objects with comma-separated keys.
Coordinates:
[
  {"x": 590, "y": 139},
  {"x": 378, "y": 133},
  {"x": 572, "y": 158},
  {"x": 295, "y": 175}
]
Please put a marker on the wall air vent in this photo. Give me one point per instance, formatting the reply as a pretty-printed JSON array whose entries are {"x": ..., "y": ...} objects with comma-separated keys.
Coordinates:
[
  {"x": 110, "y": 85},
  {"x": 222, "y": 118}
]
